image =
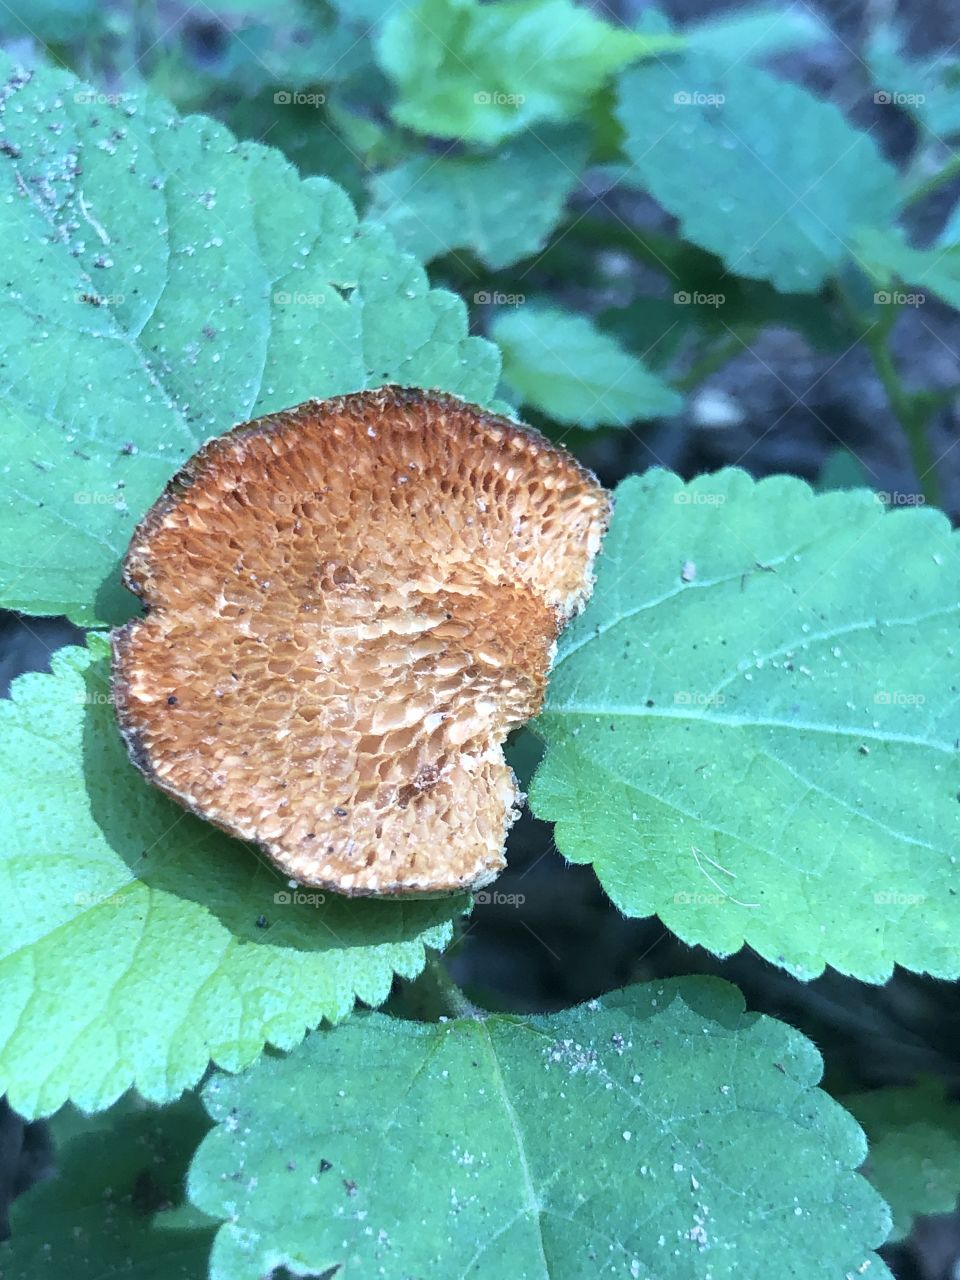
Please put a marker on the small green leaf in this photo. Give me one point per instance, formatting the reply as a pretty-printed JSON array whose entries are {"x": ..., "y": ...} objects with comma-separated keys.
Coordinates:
[
  {"x": 484, "y": 71},
  {"x": 501, "y": 206},
  {"x": 758, "y": 171},
  {"x": 842, "y": 470},
  {"x": 169, "y": 282},
  {"x": 752, "y": 729},
  {"x": 149, "y": 940},
  {"x": 567, "y": 368},
  {"x": 657, "y": 1132},
  {"x": 115, "y": 1206},
  {"x": 887, "y": 258},
  {"x": 914, "y": 1160}
]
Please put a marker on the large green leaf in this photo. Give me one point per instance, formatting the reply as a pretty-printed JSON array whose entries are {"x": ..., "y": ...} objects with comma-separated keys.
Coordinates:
[
  {"x": 501, "y": 206},
  {"x": 659, "y": 1132},
  {"x": 567, "y": 368},
  {"x": 752, "y": 730},
  {"x": 167, "y": 282},
  {"x": 139, "y": 942},
  {"x": 914, "y": 1161},
  {"x": 484, "y": 71},
  {"x": 760, "y": 172},
  {"x": 114, "y": 1208}
]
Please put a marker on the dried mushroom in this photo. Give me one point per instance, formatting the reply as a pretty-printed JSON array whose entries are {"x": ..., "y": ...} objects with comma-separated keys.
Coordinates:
[{"x": 350, "y": 605}]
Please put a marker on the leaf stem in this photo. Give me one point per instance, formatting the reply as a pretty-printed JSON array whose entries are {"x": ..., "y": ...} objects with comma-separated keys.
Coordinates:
[
  {"x": 920, "y": 190},
  {"x": 713, "y": 359},
  {"x": 434, "y": 995},
  {"x": 911, "y": 409}
]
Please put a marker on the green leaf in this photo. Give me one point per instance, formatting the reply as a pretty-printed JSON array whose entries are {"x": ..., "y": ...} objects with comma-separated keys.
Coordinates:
[
  {"x": 290, "y": 44},
  {"x": 757, "y": 33},
  {"x": 484, "y": 71},
  {"x": 501, "y": 206},
  {"x": 567, "y": 368},
  {"x": 114, "y": 1207},
  {"x": 757, "y": 170},
  {"x": 926, "y": 88},
  {"x": 842, "y": 470},
  {"x": 659, "y": 1131},
  {"x": 52, "y": 21},
  {"x": 949, "y": 237},
  {"x": 168, "y": 283},
  {"x": 151, "y": 942},
  {"x": 914, "y": 1160},
  {"x": 752, "y": 729},
  {"x": 887, "y": 258}
]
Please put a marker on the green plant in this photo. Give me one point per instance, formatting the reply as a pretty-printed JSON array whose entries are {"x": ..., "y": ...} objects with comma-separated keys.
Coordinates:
[{"x": 751, "y": 731}]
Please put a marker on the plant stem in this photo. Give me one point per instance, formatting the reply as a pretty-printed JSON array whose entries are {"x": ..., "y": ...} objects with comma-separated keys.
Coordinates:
[
  {"x": 909, "y": 409},
  {"x": 714, "y": 358},
  {"x": 927, "y": 186},
  {"x": 913, "y": 417},
  {"x": 433, "y": 995}
]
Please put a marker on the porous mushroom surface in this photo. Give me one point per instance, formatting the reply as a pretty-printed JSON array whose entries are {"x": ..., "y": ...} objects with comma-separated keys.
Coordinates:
[{"x": 349, "y": 606}]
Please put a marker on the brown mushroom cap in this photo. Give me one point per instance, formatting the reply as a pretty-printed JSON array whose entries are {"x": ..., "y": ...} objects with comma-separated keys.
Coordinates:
[{"x": 351, "y": 604}]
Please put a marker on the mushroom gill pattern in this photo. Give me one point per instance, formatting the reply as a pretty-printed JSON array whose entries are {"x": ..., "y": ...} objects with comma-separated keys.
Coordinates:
[{"x": 350, "y": 604}]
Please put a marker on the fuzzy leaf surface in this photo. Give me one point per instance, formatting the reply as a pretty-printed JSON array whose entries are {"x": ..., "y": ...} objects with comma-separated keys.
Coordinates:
[
  {"x": 149, "y": 940},
  {"x": 652, "y": 1133},
  {"x": 752, "y": 729}
]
